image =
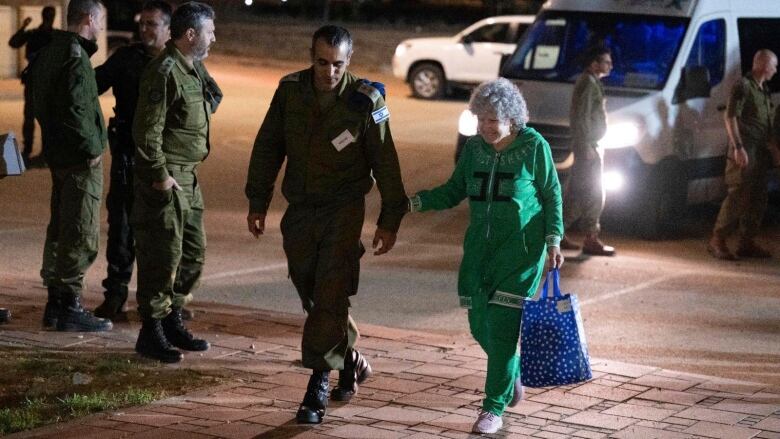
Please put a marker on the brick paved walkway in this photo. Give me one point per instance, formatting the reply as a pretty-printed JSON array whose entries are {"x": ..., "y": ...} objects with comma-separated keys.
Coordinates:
[{"x": 424, "y": 387}]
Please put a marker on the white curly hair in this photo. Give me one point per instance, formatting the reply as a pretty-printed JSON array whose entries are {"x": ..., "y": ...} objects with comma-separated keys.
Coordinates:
[{"x": 502, "y": 98}]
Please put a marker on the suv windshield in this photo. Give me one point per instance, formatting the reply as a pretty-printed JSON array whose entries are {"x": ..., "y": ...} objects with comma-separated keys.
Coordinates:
[{"x": 643, "y": 47}]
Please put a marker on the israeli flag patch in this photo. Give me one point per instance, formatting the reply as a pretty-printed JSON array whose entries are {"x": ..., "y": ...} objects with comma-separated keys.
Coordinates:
[{"x": 381, "y": 115}]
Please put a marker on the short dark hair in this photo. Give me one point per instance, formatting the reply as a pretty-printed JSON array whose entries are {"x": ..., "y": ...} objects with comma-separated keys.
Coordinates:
[
  {"x": 78, "y": 9},
  {"x": 159, "y": 5},
  {"x": 189, "y": 15},
  {"x": 594, "y": 53},
  {"x": 48, "y": 13},
  {"x": 333, "y": 35}
]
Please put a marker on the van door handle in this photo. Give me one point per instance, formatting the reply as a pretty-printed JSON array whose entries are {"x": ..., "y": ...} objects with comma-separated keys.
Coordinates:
[{"x": 721, "y": 108}]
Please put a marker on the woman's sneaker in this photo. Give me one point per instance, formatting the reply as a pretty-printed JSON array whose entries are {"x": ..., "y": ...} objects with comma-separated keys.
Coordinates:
[{"x": 487, "y": 423}]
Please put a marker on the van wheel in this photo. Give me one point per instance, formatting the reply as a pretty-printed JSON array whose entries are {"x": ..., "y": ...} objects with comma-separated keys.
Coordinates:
[
  {"x": 662, "y": 203},
  {"x": 427, "y": 81}
]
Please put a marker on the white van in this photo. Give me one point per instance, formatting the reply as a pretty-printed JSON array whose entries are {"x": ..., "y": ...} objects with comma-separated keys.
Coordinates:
[{"x": 674, "y": 64}]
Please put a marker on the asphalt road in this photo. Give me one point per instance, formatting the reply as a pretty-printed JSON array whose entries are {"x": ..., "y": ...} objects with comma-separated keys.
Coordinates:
[{"x": 662, "y": 303}]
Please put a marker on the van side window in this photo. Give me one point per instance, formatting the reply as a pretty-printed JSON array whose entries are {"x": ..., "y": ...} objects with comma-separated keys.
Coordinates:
[
  {"x": 492, "y": 33},
  {"x": 756, "y": 34},
  {"x": 709, "y": 49}
]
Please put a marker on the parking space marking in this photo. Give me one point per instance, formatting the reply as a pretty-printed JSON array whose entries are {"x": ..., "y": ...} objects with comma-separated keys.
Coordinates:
[
  {"x": 18, "y": 230},
  {"x": 235, "y": 273},
  {"x": 634, "y": 288}
]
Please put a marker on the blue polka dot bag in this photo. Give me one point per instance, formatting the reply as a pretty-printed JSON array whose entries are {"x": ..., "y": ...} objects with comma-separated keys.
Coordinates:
[{"x": 553, "y": 351}]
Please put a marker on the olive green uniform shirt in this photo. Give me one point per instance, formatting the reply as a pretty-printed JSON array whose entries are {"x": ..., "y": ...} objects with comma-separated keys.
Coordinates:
[
  {"x": 333, "y": 154},
  {"x": 751, "y": 104},
  {"x": 171, "y": 124},
  {"x": 588, "y": 117},
  {"x": 65, "y": 101}
]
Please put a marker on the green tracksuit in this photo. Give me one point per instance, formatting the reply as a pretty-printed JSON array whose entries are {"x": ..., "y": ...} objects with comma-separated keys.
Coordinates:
[{"x": 515, "y": 212}]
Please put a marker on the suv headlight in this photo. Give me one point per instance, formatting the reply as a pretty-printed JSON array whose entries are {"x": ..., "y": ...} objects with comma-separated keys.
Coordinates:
[
  {"x": 467, "y": 124},
  {"x": 621, "y": 135},
  {"x": 401, "y": 49}
]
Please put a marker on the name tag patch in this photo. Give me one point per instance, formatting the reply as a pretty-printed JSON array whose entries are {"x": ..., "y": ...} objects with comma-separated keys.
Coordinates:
[
  {"x": 342, "y": 140},
  {"x": 381, "y": 115}
]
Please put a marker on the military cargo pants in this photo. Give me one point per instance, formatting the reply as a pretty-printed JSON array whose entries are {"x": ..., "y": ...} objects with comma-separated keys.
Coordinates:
[
  {"x": 583, "y": 199},
  {"x": 73, "y": 232},
  {"x": 120, "y": 248},
  {"x": 497, "y": 330},
  {"x": 170, "y": 243},
  {"x": 746, "y": 200},
  {"x": 323, "y": 251}
]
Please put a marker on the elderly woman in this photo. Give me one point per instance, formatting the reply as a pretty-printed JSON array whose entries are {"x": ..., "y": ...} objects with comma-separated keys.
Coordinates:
[{"x": 508, "y": 174}]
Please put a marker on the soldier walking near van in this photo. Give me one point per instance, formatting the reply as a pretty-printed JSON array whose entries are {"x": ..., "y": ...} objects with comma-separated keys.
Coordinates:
[
  {"x": 171, "y": 133},
  {"x": 749, "y": 127},
  {"x": 66, "y": 105},
  {"x": 333, "y": 129},
  {"x": 33, "y": 40},
  {"x": 583, "y": 201}
]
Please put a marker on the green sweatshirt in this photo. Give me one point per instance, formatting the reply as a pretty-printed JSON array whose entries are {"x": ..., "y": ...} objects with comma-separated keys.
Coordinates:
[{"x": 515, "y": 212}]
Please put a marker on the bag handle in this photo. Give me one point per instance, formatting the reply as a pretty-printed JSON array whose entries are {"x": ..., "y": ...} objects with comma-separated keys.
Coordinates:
[{"x": 555, "y": 275}]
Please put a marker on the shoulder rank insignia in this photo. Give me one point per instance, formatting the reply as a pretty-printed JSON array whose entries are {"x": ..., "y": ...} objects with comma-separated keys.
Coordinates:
[
  {"x": 369, "y": 91},
  {"x": 155, "y": 96},
  {"x": 381, "y": 115},
  {"x": 166, "y": 65},
  {"x": 292, "y": 77},
  {"x": 75, "y": 50}
]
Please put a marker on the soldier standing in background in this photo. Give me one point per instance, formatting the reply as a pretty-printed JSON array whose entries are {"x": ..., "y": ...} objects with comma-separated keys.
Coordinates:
[
  {"x": 749, "y": 127},
  {"x": 65, "y": 102},
  {"x": 170, "y": 130},
  {"x": 333, "y": 129},
  {"x": 122, "y": 72},
  {"x": 583, "y": 199},
  {"x": 33, "y": 40}
]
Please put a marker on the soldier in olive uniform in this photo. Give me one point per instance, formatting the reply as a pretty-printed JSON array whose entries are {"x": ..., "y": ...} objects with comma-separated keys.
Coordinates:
[
  {"x": 66, "y": 105},
  {"x": 749, "y": 126},
  {"x": 171, "y": 130},
  {"x": 584, "y": 197},
  {"x": 33, "y": 41},
  {"x": 122, "y": 72},
  {"x": 333, "y": 129}
]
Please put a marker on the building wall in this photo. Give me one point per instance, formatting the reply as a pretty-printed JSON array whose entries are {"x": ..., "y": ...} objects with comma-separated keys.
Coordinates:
[{"x": 13, "y": 13}]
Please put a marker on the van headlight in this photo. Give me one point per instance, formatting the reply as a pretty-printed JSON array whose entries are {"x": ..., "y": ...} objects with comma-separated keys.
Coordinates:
[
  {"x": 612, "y": 181},
  {"x": 467, "y": 124},
  {"x": 621, "y": 135}
]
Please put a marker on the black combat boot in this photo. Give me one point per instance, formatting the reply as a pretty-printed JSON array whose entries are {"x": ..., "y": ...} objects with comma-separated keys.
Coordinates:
[
  {"x": 52, "y": 309},
  {"x": 179, "y": 336},
  {"x": 74, "y": 318},
  {"x": 113, "y": 306},
  {"x": 356, "y": 370},
  {"x": 312, "y": 409},
  {"x": 153, "y": 344}
]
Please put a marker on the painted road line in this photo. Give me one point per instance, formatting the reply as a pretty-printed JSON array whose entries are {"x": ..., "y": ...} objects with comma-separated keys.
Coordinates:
[
  {"x": 236, "y": 273},
  {"x": 634, "y": 288}
]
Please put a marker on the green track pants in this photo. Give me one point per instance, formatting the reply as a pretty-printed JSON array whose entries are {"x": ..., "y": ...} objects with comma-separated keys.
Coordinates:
[{"x": 497, "y": 329}]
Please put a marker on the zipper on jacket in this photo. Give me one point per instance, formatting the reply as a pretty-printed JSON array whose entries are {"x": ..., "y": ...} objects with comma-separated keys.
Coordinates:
[{"x": 489, "y": 192}]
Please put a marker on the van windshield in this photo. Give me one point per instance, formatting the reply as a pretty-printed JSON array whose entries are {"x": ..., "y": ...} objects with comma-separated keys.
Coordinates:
[{"x": 643, "y": 47}]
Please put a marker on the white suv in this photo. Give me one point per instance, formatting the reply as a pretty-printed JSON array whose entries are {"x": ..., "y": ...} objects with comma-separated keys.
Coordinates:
[{"x": 432, "y": 66}]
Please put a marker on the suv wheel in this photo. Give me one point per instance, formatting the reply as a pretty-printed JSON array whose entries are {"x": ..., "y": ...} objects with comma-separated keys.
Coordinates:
[{"x": 427, "y": 81}]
